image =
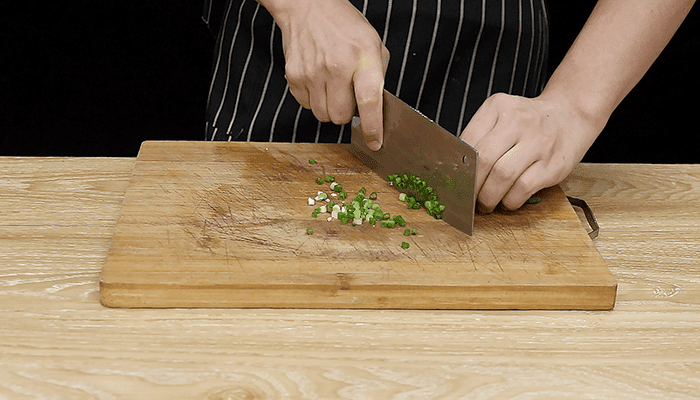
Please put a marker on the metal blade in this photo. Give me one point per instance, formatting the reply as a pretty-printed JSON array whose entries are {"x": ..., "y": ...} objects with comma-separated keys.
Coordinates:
[{"x": 413, "y": 144}]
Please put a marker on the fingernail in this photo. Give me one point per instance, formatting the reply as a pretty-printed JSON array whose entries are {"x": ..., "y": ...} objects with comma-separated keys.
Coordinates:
[{"x": 374, "y": 145}]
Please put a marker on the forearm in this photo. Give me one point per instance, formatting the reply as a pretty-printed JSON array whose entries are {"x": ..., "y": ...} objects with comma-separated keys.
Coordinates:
[{"x": 617, "y": 45}]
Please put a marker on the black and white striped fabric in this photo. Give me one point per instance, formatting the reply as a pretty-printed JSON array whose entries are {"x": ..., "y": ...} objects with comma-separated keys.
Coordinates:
[{"x": 447, "y": 57}]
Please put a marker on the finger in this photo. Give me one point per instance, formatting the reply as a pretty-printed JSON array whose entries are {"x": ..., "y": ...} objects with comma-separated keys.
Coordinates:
[
  {"x": 481, "y": 124},
  {"x": 340, "y": 100},
  {"x": 491, "y": 148},
  {"x": 527, "y": 185},
  {"x": 368, "y": 83},
  {"x": 385, "y": 58},
  {"x": 503, "y": 175},
  {"x": 300, "y": 94},
  {"x": 319, "y": 102}
]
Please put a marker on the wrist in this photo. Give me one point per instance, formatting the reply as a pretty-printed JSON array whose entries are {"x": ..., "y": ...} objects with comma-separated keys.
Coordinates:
[
  {"x": 590, "y": 112},
  {"x": 279, "y": 9}
]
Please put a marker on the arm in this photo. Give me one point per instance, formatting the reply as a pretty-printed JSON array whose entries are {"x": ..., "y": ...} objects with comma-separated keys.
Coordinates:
[
  {"x": 335, "y": 61},
  {"x": 528, "y": 144}
]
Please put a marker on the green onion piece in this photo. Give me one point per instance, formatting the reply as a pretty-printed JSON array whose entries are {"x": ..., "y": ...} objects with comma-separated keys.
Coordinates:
[
  {"x": 339, "y": 188},
  {"x": 309, "y": 231},
  {"x": 319, "y": 180},
  {"x": 534, "y": 200},
  {"x": 373, "y": 196},
  {"x": 414, "y": 231},
  {"x": 399, "y": 220},
  {"x": 312, "y": 161},
  {"x": 405, "y": 245},
  {"x": 407, "y": 232},
  {"x": 330, "y": 178},
  {"x": 343, "y": 195}
]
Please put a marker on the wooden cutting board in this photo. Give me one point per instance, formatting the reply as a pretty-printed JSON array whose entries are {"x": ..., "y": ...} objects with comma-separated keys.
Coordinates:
[{"x": 214, "y": 224}]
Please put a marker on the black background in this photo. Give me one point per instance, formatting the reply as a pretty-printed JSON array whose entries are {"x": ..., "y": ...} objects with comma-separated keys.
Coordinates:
[{"x": 96, "y": 78}]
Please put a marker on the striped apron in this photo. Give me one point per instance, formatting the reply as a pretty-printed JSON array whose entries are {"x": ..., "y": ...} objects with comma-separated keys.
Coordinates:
[{"x": 447, "y": 57}]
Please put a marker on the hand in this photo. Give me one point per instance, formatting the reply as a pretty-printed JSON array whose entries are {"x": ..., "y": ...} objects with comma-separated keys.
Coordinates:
[
  {"x": 335, "y": 62},
  {"x": 524, "y": 145}
]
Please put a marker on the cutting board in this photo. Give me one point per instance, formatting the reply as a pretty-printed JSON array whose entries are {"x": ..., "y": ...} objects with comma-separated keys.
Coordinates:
[{"x": 215, "y": 224}]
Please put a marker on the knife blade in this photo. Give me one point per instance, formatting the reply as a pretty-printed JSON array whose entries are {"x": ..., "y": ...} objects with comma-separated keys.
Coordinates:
[{"x": 413, "y": 144}]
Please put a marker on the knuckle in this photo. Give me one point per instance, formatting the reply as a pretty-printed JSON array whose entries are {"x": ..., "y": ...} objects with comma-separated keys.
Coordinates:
[
  {"x": 294, "y": 74},
  {"x": 340, "y": 117},
  {"x": 503, "y": 173}
]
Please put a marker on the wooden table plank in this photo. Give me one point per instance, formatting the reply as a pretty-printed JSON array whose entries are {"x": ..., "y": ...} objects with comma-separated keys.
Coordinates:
[{"x": 57, "y": 341}]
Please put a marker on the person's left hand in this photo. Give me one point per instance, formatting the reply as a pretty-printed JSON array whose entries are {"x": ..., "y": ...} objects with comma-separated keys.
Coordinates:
[{"x": 524, "y": 145}]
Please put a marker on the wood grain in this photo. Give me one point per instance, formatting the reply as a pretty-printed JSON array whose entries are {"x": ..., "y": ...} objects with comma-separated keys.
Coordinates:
[
  {"x": 212, "y": 224},
  {"x": 57, "y": 342}
]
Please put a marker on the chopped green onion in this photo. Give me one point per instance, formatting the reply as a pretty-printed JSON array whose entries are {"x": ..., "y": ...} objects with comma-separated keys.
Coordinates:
[
  {"x": 405, "y": 245},
  {"x": 414, "y": 231},
  {"x": 420, "y": 194},
  {"x": 319, "y": 180},
  {"x": 309, "y": 231},
  {"x": 407, "y": 232},
  {"x": 343, "y": 195},
  {"x": 312, "y": 161},
  {"x": 373, "y": 196},
  {"x": 534, "y": 200},
  {"x": 399, "y": 220},
  {"x": 330, "y": 178}
]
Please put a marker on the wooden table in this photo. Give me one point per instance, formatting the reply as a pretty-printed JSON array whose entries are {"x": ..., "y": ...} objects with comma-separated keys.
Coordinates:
[{"x": 57, "y": 216}]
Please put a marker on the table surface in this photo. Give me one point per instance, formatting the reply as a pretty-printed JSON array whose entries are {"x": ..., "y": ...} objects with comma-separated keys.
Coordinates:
[{"x": 57, "y": 216}]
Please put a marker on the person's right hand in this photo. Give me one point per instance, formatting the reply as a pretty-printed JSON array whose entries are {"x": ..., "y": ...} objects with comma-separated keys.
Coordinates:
[{"x": 335, "y": 61}]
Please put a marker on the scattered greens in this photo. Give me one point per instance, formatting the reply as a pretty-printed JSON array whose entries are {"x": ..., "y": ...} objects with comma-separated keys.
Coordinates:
[
  {"x": 419, "y": 194},
  {"x": 364, "y": 208}
]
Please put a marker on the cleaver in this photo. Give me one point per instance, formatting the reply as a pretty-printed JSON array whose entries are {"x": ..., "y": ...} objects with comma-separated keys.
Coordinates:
[{"x": 413, "y": 144}]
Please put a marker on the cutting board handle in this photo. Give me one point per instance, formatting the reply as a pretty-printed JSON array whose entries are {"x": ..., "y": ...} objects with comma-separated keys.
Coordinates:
[{"x": 588, "y": 213}]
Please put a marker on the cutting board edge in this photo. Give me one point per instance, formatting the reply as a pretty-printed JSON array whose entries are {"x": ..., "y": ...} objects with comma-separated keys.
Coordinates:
[{"x": 530, "y": 297}]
